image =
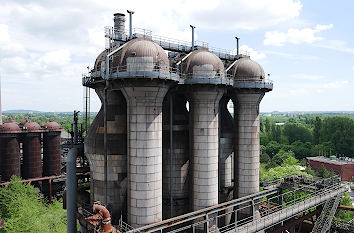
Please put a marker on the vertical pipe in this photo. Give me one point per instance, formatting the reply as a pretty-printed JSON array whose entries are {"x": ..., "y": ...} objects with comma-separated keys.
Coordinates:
[
  {"x": 130, "y": 24},
  {"x": 105, "y": 131},
  {"x": 237, "y": 45},
  {"x": 76, "y": 130},
  {"x": 86, "y": 112},
  {"x": 71, "y": 190},
  {"x": 171, "y": 156},
  {"x": 105, "y": 142},
  {"x": 192, "y": 36}
]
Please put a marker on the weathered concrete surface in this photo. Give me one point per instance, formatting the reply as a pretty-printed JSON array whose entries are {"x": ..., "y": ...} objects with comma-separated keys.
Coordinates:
[
  {"x": 247, "y": 142},
  {"x": 144, "y": 152},
  {"x": 204, "y": 108},
  {"x": 180, "y": 157},
  {"x": 117, "y": 154}
]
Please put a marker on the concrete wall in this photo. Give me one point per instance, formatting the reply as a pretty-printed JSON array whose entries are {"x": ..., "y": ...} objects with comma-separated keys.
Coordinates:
[
  {"x": 117, "y": 155},
  {"x": 180, "y": 157},
  {"x": 144, "y": 152},
  {"x": 204, "y": 108}
]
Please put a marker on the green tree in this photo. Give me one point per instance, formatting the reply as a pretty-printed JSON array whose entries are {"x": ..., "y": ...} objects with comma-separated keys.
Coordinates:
[
  {"x": 301, "y": 150},
  {"x": 267, "y": 125},
  {"x": 296, "y": 132},
  {"x": 25, "y": 210},
  {"x": 272, "y": 148},
  {"x": 282, "y": 156},
  {"x": 324, "y": 148},
  {"x": 339, "y": 131},
  {"x": 316, "y": 131},
  {"x": 276, "y": 133}
]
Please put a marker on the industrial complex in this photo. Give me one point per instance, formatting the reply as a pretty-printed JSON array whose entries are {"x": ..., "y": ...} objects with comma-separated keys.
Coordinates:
[{"x": 164, "y": 152}]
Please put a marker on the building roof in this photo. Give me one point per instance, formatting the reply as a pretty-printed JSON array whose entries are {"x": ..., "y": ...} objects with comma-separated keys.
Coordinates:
[{"x": 340, "y": 161}]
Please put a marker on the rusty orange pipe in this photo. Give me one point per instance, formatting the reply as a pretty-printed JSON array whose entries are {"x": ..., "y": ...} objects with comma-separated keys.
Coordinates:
[
  {"x": 106, "y": 222},
  {"x": 350, "y": 208}
]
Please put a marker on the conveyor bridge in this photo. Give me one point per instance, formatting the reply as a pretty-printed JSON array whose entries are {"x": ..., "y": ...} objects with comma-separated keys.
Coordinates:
[{"x": 257, "y": 212}]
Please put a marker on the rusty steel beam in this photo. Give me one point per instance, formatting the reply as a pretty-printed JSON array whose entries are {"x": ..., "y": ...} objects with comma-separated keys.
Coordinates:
[{"x": 349, "y": 208}]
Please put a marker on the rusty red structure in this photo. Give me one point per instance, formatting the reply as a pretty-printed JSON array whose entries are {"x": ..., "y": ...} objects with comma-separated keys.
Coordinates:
[
  {"x": 10, "y": 160},
  {"x": 32, "y": 159},
  {"x": 51, "y": 149}
]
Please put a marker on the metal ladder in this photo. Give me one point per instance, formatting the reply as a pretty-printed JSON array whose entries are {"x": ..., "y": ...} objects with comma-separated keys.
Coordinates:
[{"x": 324, "y": 221}]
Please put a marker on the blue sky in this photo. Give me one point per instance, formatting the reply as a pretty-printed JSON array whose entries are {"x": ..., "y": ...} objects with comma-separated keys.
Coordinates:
[{"x": 306, "y": 46}]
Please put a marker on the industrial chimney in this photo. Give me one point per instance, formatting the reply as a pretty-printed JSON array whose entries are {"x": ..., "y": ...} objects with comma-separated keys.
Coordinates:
[{"x": 119, "y": 23}]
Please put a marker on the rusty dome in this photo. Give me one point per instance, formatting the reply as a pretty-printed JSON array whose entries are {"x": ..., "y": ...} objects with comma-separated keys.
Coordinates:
[
  {"x": 142, "y": 54},
  {"x": 32, "y": 126},
  {"x": 247, "y": 69},
  {"x": 23, "y": 122},
  {"x": 204, "y": 64},
  {"x": 52, "y": 126},
  {"x": 100, "y": 58},
  {"x": 9, "y": 127}
]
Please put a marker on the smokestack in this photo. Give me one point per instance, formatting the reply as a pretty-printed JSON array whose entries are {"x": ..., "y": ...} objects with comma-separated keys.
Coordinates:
[{"x": 119, "y": 23}]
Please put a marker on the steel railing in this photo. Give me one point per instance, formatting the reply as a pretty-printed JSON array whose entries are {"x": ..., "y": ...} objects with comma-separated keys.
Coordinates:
[
  {"x": 171, "y": 43},
  {"x": 163, "y": 71},
  {"x": 283, "y": 206}
]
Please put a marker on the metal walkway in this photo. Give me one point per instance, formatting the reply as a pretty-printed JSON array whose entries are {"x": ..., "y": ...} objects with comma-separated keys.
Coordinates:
[{"x": 266, "y": 208}]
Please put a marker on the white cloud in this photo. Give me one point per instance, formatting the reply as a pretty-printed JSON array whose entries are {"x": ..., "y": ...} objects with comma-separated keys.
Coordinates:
[
  {"x": 295, "y": 36},
  {"x": 292, "y": 56},
  {"x": 238, "y": 14},
  {"x": 336, "y": 45},
  {"x": 55, "y": 58},
  {"x": 255, "y": 55},
  {"x": 334, "y": 85},
  {"x": 7, "y": 46},
  {"x": 308, "y": 77}
]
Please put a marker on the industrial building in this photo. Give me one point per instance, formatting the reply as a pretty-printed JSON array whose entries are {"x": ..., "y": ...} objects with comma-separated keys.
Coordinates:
[
  {"x": 163, "y": 159},
  {"x": 164, "y": 152},
  {"x": 343, "y": 166}
]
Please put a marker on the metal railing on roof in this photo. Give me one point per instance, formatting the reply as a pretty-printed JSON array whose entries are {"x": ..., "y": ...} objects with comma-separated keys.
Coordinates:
[
  {"x": 162, "y": 71},
  {"x": 173, "y": 44}
]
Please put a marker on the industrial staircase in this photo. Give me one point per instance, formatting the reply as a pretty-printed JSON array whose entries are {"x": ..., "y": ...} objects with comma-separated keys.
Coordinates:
[{"x": 323, "y": 223}]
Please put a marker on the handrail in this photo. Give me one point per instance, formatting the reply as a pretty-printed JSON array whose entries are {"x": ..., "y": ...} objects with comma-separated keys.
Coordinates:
[
  {"x": 163, "y": 40},
  {"x": 209, "y": 215}
]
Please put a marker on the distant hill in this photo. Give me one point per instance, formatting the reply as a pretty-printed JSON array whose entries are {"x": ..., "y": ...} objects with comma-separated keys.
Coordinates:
[{"x": 20, "y": 111}]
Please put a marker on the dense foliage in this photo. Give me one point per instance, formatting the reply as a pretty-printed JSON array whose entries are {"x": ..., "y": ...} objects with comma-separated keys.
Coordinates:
[
  {"x": 307, "y": 136},
  {"x": 287, "y": 141},
  {"x": 25, "y": 210}
]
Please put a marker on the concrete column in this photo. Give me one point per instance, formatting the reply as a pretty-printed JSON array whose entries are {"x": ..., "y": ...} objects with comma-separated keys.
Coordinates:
[
  {"x": 144, "y": 153},
  {"x": 247, "y": 142},
  {"x": 180, "y": 175},
  {"x": 204, "y": 105},
  {"x": 117, "y": 155},
  {"x": 226, "y": 158},
  {"x": 226, "y": 146}
]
